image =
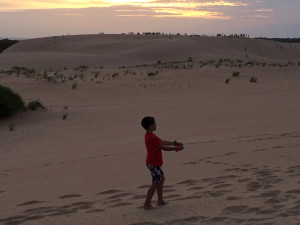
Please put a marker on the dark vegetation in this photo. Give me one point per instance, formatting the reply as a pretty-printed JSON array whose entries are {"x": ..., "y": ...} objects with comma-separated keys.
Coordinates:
[
  {"x": 6, "y": 43},
  {"x": 10, "y": 102},
  {"x": 34, "y": 105},
  {"x": 284, "y": 40}
]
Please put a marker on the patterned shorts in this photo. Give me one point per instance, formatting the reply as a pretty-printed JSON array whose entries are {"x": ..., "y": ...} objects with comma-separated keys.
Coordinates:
[{"x": 156, "y": 172}]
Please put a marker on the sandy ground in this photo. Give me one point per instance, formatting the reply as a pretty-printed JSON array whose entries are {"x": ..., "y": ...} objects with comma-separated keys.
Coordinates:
[{"x": 241, "y": 159}]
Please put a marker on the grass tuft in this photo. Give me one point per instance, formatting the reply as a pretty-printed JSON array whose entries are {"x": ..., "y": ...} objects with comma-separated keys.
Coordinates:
[
  {"x": 235, "y": 74},
  {"x": 253, "y": 80},
  {"x": 34, "y": 105}
]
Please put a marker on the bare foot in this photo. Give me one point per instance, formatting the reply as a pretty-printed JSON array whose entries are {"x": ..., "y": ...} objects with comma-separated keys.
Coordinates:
[{"x": 162, "y": 203}]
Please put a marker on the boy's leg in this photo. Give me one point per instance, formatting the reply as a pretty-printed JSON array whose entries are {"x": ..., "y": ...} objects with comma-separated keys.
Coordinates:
[
  {"x": 160, "y": 188},
  {"x": 150, "y": 194}
]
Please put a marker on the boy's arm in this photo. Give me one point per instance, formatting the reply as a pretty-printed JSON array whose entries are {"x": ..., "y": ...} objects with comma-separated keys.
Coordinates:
[
  {"x": 171, "y": 148},
  {"x": 166, "y": 143},
  {"x": 174, "y": 143}
]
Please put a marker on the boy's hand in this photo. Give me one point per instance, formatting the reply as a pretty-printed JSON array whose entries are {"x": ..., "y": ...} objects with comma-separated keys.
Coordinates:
[
  {"x": 179, "y": 144},
  {"x": 180, "y": 147},
  {"x": 176, "y": 143}
]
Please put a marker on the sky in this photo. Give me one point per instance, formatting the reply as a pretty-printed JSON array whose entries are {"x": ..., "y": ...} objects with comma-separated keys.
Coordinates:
[{"x": 42, "y": 18}]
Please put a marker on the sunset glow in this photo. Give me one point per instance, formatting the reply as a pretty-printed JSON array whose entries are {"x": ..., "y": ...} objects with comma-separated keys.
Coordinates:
[
  {"x": 183, "y": 8},
  {"x": 34, "y": 18}
]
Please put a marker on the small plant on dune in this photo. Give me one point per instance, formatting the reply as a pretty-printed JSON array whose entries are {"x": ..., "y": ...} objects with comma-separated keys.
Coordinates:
[
  {"x": 235, "y": 74},
  {"x": 115, "y": 76},
  {"x": 83, "y": 67},
  {"x": 151, "y": 74},
  {"x": 190, "y": 59},
  {"x": 74, "y": 85},
  {"x": 11, "y": 127},
  {"x": 10, "y": 102},
  {"x": 34, "y": 105},
  {"x": 96, "y": 74},
  {"x": 65, "y": 109},
  {"x": 227, "y": 81},
  {"x": 81, "y": 76},
  {"x": 253, "y": 80},
  {"x": 64, "y": 117}
]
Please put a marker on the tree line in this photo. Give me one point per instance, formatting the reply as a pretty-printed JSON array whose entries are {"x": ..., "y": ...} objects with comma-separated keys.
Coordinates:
[{"x": 6, "y": 43}]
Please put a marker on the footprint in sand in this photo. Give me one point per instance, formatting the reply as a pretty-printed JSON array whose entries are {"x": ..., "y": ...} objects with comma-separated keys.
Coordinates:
[
  {"x": 230, "y": 153},
  {"x": 188, "y": 182},
  {"x": 33, "y": 202},
  {"x": 139, "y": 197},
  {"x": 41, "y": 212},
  {"x": 144, "y": 186},
  {"x": 260, "y": 150},
  {"x": 233, "y": 198},
  {"x": 147, "y": 223},
  {"x": 121, "y": 204},
  {"x": 111, "y": 191},
  {"x": 172, "y": 196},
  {"x": 278, "y": 147},
  {"x": 240, "y": 209},
  {"x": 119, "y": 195},
  {"x": 95, "y": 211},
  {"x": 70, "y": 196}
]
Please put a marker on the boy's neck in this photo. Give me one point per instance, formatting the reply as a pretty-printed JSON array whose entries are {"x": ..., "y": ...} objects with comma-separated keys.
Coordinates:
[{"x": 150, "y": 131}]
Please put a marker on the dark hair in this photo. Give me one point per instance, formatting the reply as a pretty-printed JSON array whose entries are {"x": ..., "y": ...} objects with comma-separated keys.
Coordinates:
[{"x": 147, "y": 121}]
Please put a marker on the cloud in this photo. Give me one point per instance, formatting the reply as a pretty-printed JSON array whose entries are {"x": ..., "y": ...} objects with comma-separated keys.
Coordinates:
[{"x": 156, "y": 8}]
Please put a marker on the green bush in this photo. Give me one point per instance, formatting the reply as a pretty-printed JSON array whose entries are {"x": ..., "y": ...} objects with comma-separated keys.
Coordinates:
[
  {"x": 34, "y": 105},
  {"x": 253, "y": 80},
  {"x": 235, "y": 74},
  {"x": 10, "y": 102},
  {"x": 190, "y": 59}
]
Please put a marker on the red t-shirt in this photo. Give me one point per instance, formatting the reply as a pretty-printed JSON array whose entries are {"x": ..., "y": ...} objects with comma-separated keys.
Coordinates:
[{"x": 154, "y": 155}]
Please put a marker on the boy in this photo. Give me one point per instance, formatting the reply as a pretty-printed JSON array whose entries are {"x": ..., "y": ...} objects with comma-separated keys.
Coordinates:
[{"x": 154, "y": 160}]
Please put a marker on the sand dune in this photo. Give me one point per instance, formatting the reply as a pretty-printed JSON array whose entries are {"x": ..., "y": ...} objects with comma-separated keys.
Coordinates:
[
  {"x": 241, "y": 159},
  {"x": 130, "y": 50}
]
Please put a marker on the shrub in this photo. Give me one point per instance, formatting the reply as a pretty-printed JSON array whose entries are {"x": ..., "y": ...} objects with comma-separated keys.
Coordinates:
[
  {"x": 34, "y": 105},
  {"x": 227, "y": 81},
  {"x": 190, "y": 59},
  {"x": 235, "y": 74},
  {"x": 10, "y": 102},
  {"x": 151, "y": 74},
  {"x": 11, "y": 127},
  {"x": 115, "y": 76},
  {"x": 253, "y": 79}
]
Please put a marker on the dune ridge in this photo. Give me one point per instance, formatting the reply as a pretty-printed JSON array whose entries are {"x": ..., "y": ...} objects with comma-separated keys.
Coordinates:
[{"x": 131, "y": 50}]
